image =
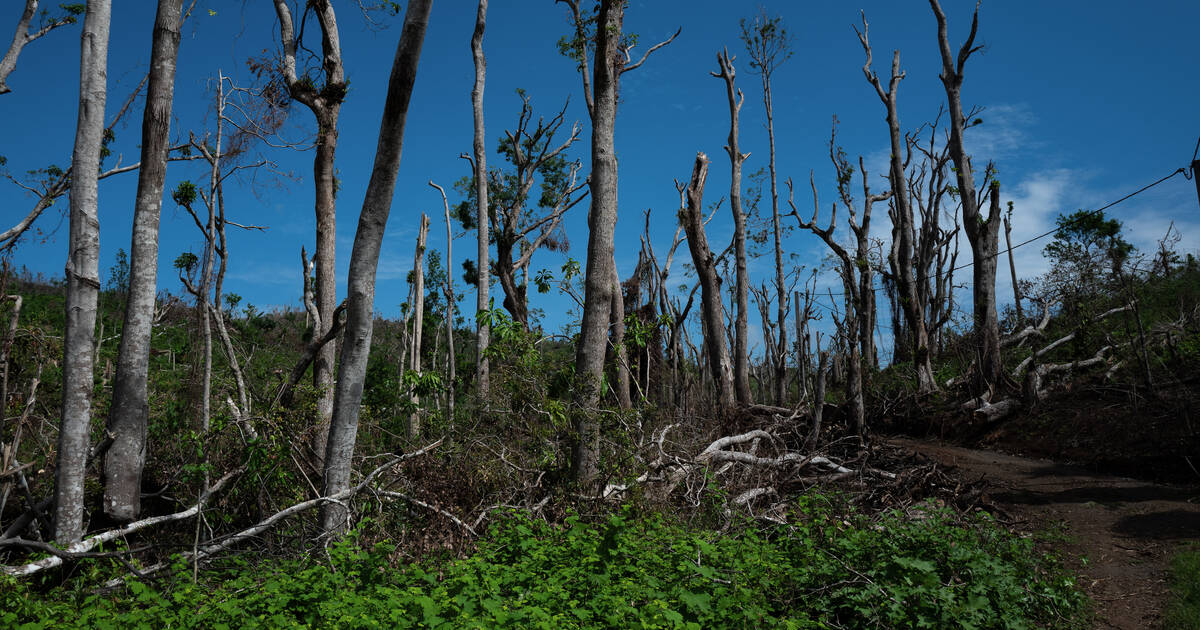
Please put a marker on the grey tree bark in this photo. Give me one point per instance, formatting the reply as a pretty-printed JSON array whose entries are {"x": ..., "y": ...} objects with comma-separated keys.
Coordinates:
[
  {"x": 418, "y": 310},
  {"x": 130, "y": 410},
  {"x": 711, "y": 310},
  {"x": 600, "y": 274},
  {"x": 982, "y": 232},
  {"x": 741, "y": 351},
  {"x": 1012, "y": 265},
  {"x": 482, "y": 301},
  {"x": 364, "y": 261},
  {"x": 910, "y": 303},
  {"x": 82, "y": 274},
  {"x": 620, "y": 353},
  {"x": 857, "y": 304},
  {"x": 600, "y": 94},
  {"x": 451, "y": 356},
  {"x": 325, "y": 103}
]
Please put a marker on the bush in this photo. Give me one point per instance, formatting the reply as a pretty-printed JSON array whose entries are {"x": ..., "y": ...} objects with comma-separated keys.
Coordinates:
[{"x": 623, "y": 571}]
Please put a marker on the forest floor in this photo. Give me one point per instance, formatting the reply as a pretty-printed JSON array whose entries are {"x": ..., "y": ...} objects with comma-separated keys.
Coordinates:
[{"x": 1118, "y": 534}]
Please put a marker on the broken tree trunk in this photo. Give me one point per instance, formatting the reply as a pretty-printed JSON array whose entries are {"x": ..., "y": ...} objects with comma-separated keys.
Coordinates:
[{"x": 710, "y": 283}]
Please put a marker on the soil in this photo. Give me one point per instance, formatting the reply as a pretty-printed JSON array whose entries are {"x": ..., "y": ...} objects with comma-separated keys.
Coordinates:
[{"x": 1118, "y": 533}]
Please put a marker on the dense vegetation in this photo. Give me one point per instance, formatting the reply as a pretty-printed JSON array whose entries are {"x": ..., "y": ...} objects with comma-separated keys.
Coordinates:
[
  {"x": 926, "y": 568},
  {"x": 173, "y": 456}
]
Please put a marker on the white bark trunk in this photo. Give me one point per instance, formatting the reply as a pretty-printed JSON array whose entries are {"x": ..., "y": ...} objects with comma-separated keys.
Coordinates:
[{"x": 82, "y": 273}]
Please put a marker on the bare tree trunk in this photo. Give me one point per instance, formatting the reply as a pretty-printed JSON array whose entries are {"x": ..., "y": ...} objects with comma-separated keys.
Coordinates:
[
  {"x": 769, "y": 45},
  {"x": 483, "y": 332},
  {"x": 364, "y": 260},
  {"x": 801, "y": 350},
  {"x": 710, "y": 283},
  {"x": 854, "y": 369},
  {"x": 1012, "y": 266},
  {"x": 907, "y": 288},
  {"x": 982, "y": 232},
  {"x": 818, "y": 406},
  {"x": 130, "y": 411},
  {"x": 451, "y": 357},
  {"x": 82, "y": 273},
  {"x": 780, "y": 288},
  {"x": 418, "y": 302},
  {"x": 620, "y": 352},
  {"x": 325, "y": 102},
  {"x": 741, "y": 359},
  {"x": 602, "y": 220}
]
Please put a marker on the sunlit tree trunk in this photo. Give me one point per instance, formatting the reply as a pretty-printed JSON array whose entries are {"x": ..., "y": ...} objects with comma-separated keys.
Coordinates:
[
  {"x": 711, "y": 311},
  {"x": 364, "y": 261},
  {"x": 483, "y": 332},
  {"x": 418, "y": 310},
  {"x": 130, "y": 409},
  {"x": 982, "y": 232},
  {"x": 82, "y": 274},
  {"x": 741, "y": 343},
  {"x": 907, "y": 287},
  {"x": 600, "y": 275}
]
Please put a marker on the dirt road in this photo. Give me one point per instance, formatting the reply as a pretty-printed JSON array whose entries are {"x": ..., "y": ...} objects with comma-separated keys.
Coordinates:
[{"x": 1120, "y": 532}]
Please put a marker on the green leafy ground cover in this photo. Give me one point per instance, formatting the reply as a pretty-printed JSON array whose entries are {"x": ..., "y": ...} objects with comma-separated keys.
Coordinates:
[
  {"x": 924, "y": 569},
  {"x": 1184, "y": 610}
]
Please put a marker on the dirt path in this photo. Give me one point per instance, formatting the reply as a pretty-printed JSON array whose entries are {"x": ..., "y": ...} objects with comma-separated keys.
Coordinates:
[{"x": 1127, "y": 530}]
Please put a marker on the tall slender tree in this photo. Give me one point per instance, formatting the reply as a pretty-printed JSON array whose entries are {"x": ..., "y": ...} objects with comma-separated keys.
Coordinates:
[
  {"x": 602, "y": 221},
  {"x": 364, "y": 261},
  {"x": 914, "y": 314},
  {"x": 982, "y": 232},
  {"x": 741, "y": 341},
  {"x": 769, "y": 45},
  {"x": 482, "y": 301},
  {"x": 130, "y": 410},
  {"x": 600, "y": 276},
  {"x": 325, "y": 103},
  {"x": 711, "y": 315},
  {"x": 82, "y": 272}
]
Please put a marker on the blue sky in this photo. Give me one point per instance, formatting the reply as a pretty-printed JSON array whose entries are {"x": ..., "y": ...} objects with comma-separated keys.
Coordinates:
[{"x": 1085, "y": 102}]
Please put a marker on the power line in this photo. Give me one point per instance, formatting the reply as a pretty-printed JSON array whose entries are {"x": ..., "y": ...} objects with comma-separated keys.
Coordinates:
[{"x": 1087, "y": 214}]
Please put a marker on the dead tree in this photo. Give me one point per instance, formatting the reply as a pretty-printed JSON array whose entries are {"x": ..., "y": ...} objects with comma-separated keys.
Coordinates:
[
  {"x": 903, "y": 246},
  {"x": 658, "y": 275},
  {"x": 130, "y": 410},
  {"x": 857, "y": 304},
  {"x": 982, "y": 231},
  {"x": 482, "y": 299},
  {"x": 451, "y": 356},
  {"x": 936, "y": 248},
  {"x": 218, "y": 150},
  {"x": 50, "y": 189},
  {"x": 324, "y": 100},
  {"x": 22, "y": 36},
  {"x": 364, "y": 261},
  {"x": 1012, "y": 265},
  {"x": 418, "y": 320},
  {"x": 741, "y": 351},
  {"x": 711, "y": 315},
  {"x": 82, "y": 275}
]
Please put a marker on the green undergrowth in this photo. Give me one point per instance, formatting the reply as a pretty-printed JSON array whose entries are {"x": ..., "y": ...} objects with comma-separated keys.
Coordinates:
[
  {"x": 924, "y": 569},
  {"x": 1183, "y": 613}
]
